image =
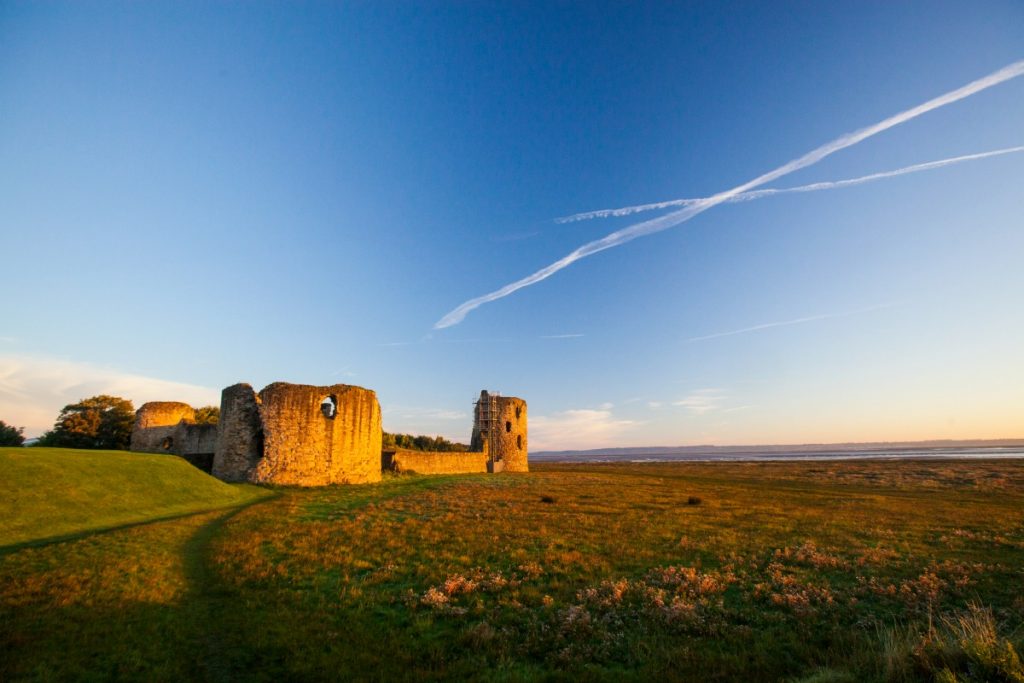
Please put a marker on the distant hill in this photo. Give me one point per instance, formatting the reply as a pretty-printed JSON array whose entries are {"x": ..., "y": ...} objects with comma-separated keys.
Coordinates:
[
  {"x": 47, "y": 493},
  {"x": 710, "y": 451}
]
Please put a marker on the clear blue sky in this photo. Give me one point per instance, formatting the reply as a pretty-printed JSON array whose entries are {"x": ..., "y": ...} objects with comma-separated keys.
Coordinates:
[{"x": 193, "y": 195}]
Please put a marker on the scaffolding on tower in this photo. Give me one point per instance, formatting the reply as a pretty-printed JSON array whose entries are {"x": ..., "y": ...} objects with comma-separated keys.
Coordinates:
[{"x": 486, "y": 414}]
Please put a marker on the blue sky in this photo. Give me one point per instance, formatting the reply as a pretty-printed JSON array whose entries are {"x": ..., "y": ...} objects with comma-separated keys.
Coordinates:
[{"x": 193, "y": 195}]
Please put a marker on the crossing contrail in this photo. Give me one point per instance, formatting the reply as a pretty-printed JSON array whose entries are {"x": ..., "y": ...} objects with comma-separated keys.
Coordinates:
[
  {"x": 795, "y": 321},
  {"x": 684, "y": 214},
  {"x": 813, "y": 187}
]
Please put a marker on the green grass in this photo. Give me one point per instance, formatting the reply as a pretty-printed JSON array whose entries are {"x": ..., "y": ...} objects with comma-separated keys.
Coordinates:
[
  {"x": 850, "y": 571},
  {"x": 48, "y": 493}
]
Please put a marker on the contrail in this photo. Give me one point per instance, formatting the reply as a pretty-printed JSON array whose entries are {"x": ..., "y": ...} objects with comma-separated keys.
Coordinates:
[
  {"x": 795, "y": 321},
  {"x": 813, "y": 187},
  {"x": 701, "y": 205}
]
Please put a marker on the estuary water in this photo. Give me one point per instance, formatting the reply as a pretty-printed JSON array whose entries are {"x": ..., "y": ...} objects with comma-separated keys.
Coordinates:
[{"x": 771, "y": 454}]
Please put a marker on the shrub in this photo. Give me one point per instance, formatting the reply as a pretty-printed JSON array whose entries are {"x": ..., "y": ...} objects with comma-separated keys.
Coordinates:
[{"x": 11, "y": 435}]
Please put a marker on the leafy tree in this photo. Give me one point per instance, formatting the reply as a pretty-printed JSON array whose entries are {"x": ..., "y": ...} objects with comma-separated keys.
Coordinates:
[
  {"x": 422, "y": 443},
  {"x": 11, "y": 436},
  {"x": 97, "y": 422},
  {"x": 207, "y": 415}
]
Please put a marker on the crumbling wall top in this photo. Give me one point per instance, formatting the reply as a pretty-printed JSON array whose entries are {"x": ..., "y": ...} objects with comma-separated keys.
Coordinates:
[{"x": 163, "y": 414}]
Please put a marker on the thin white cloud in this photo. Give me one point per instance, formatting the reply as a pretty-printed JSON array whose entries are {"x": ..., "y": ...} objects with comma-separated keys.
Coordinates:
[
  {"x": 702, "y": 401},
  {"x": 33, "y": 389},
  {"x": 577, "y": 429},
  {"x": 428, "y": 339},
  {"x": 795, "y": 321},
  {"x": 636, "y": 230},
  {"x": 515, "y": 236},
  {"x": 813, "y": 187},
  {"x": 561, "y": 336}
]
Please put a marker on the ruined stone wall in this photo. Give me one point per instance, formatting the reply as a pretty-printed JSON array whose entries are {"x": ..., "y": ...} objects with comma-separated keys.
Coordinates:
[
  {"x": 435, "y": 462},
  {"x": 194, "y": 438},
  {"x": 509, "y": 443},
  {"x": 196, "y": 443},
  {"x": 239, "y": 443},
  {"x": 156, "y": 424},
  {"x": 302, "y": 446},
  {"x": 169, "y": 427}
]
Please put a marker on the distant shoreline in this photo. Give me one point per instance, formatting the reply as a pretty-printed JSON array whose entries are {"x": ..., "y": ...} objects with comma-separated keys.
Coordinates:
[{"x": 994, "y": 448}]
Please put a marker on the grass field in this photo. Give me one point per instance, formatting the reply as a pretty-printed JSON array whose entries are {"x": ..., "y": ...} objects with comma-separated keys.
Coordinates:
[
  {"x": 847, "y": 571},
  {"x": 50, "y": 493}
]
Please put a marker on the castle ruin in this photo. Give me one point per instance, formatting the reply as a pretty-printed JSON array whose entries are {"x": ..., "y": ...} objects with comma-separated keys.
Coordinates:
[
  {"x": 299, "y": 434},
  {"x": 499, "y": 425},
  {"x": 170, "y": 427},
  {"x": 498, "y": 443},
  {"x": 303, "y": 435}
]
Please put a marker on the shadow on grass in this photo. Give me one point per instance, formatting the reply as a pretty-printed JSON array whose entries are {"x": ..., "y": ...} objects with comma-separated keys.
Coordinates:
[
  {"x": 217, "y": 624},
  {"x": 44, "y": 636},
  {"x": 85, "y": 533},
  {"x": 207, "y": 628}
]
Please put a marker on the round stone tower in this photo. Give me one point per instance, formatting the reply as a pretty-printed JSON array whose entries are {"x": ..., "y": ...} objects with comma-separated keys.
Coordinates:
[{"x": 500, "y": 421}]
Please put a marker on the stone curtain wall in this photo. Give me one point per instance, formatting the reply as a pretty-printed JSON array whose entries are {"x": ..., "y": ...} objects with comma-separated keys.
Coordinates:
[
  {"x": 304, "y": 447},
  {"x": 239, "y": 434},
  {"x": 509, "y": 443},
  {"x": 434, "y": 462},
  {"x": 155, "y": 423}
]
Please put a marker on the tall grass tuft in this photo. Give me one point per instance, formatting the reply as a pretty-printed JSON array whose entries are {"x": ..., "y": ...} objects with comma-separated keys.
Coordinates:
[{"x": 964, "y": 647}]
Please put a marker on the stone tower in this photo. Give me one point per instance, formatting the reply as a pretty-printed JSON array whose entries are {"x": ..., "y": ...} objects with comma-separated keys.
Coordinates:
[
  {"x": 299, "y": 435},
  {"x": 240, "y": 434},
  {"x": 500, "y": 421}
]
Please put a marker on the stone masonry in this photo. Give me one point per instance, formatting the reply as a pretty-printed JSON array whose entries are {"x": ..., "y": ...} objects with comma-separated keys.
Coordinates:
[
  {"x": 239, "y": 434},
  {"x": 169, "y": 427},
  {"x": 501, "y": 422},
  {"x": 302, "y": 435},
  {"x": 305, "y": 446},
  {"x": 434, "y": 462},
  {"x": 299, "y": 434}
]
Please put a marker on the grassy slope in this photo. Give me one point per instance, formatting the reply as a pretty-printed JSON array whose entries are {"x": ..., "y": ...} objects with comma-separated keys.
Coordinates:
[{"x": 55, "y": 492}]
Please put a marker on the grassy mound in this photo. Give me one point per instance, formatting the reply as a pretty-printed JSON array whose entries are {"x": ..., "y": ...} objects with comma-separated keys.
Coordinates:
[{"x": 48, "y": 493}]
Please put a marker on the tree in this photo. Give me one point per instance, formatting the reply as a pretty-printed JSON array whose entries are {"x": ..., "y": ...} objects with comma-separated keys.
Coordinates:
[
  {"x": 207, "y": 415},
  {"x": 421, "y": 443},
  {"x": 11, "y": 436},
  {"x": 97, "y": 422}
]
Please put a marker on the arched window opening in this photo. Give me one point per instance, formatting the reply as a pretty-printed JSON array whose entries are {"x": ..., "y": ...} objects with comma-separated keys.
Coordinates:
[
  {"x": 519, "y": 411},
  {"x": 329, "y": 407},
  {"x": 519, "y": 441},
  {"x": 167, "y": 444},
  {"x": 508, "y": 427}
]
